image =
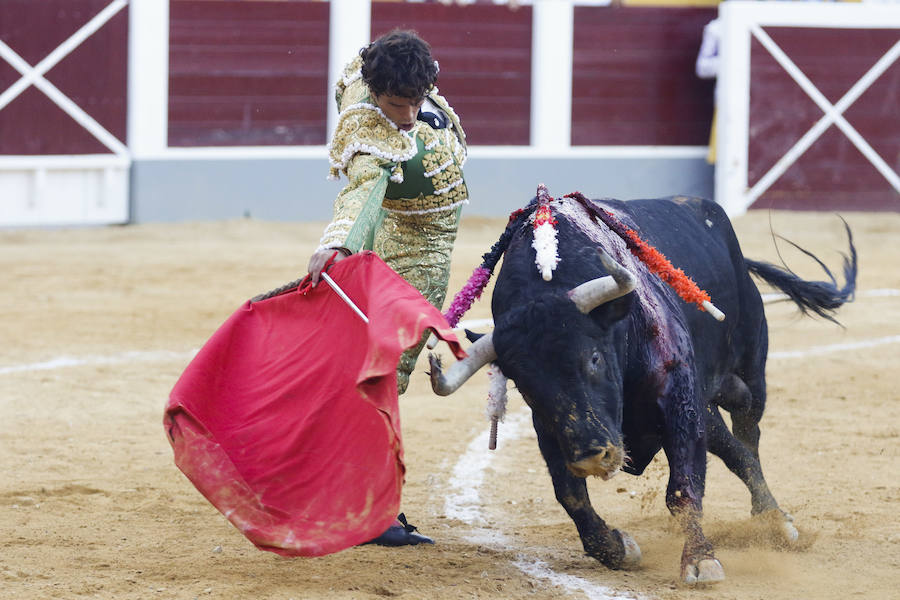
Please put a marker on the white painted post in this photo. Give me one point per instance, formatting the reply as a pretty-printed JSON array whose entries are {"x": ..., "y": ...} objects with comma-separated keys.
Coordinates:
[
  {"x": 38, "y": 189},
  {"x": 349, "y": 30},
  {"x": 733, "y": 109},
  {"x": 148, "y": 77},
  {"x": 551, "y": 74}
]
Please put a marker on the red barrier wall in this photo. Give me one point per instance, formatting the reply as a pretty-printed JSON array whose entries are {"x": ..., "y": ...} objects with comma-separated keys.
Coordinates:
[
  {"x": 485, "y": 55},
  {"x": 633, "y": 77},
  {"x": 248, "y": 73}
]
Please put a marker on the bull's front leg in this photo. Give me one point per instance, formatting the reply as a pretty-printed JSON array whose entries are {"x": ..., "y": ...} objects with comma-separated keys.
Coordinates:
[
  {"x": 685, "y": 447},
  {"x": 615, "y": 549}
]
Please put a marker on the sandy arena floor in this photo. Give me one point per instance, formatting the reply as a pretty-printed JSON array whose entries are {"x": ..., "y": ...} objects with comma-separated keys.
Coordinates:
[{"x": 100, "y": 322}]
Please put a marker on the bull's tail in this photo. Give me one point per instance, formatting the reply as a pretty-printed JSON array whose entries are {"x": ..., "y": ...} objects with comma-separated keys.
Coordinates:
[{"x": 821, "y": 297}]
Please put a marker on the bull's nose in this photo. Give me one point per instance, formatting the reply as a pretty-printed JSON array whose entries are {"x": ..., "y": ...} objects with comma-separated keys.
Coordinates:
[{"x": 603, "y": 462}]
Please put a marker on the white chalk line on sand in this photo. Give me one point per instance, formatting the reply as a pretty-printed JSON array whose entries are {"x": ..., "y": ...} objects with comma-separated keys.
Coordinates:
[
  {"x": 876, "y": 293},
  {"x": 163, "y": 355},
  {"x": 62, "y": 362},
  {"x": 463, "y": 503},
  {"x": 538, "y": 569},
  {"x": 818, "y": 350}
]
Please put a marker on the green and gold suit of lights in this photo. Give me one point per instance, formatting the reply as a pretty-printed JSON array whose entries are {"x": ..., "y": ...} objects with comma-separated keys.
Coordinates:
[{"x": 404, "y": 195}]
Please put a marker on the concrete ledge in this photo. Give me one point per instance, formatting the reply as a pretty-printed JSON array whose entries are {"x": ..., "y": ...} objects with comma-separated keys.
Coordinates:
[{"x": 296, "y": 189}]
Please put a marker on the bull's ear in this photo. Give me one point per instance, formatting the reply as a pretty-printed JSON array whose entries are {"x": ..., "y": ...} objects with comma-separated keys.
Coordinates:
[
  {"x": 471, "y": 335},
  {"x": 615, "y": 310}
]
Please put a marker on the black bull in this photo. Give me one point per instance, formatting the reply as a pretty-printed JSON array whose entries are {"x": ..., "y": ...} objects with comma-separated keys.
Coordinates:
[{"x": 614, "y": 379}]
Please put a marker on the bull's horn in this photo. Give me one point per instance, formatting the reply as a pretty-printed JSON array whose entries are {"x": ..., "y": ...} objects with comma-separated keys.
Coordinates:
[
  {"x": 591, "y": 294},
  {"x": 479, "y": 354}
]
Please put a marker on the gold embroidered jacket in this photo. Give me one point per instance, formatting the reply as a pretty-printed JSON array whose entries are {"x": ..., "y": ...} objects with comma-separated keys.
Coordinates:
[{"x": 389, "y": 170}]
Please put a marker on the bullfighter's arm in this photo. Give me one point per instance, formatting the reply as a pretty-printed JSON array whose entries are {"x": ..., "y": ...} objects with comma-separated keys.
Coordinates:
[{"x": 358, "y": 206}]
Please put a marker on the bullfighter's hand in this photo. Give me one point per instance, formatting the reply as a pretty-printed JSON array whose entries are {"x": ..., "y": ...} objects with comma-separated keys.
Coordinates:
[{"x": 320, "y": 258}]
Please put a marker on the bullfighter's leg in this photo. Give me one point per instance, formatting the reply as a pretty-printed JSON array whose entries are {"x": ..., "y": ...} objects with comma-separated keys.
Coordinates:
[
  {"x": 740, "y": 450},
  {"x": 684, "y": 493},
  {"x": 418, "y": 248},
  {"x": 615, "y": 549}
]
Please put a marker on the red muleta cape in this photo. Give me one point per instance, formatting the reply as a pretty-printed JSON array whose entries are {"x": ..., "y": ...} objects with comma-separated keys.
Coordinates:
[{"x": 287, "y": 419}]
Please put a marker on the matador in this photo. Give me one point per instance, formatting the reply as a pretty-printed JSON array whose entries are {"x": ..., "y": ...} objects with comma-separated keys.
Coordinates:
[{"x": 405, "y": 189}]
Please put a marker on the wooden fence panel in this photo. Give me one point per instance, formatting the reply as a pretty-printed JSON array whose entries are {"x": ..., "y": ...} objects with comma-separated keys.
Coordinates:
[
  {"x": 633, "y": 80},
  {"x": 832, "y": 173},
  {"x": 93, "y": 75},
  {"x": 248, "y": 73},
  {"x": 484, "y": 51}
]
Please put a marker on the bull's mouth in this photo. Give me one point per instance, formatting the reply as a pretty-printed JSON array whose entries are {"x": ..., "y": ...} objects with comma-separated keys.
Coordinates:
[{"x": 604, "y": 464}]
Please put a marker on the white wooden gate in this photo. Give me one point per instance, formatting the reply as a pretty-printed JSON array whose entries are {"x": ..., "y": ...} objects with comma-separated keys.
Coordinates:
[
  {"x": 63, "y": 188},
  {"x": 864, "y": 174}
]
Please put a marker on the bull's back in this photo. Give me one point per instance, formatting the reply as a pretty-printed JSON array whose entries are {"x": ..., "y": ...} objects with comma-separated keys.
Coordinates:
[
  {"x": 691, "y": 231},
  {"x": 697, "y": 237}
]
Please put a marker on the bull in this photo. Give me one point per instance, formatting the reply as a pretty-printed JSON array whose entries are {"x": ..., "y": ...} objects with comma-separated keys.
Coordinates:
[{"x": 616, "y": 366}]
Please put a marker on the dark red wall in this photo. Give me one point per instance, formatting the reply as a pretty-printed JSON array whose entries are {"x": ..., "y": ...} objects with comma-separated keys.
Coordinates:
[
  {"x": 832, "y": 174},
  {"x": 633, "y": 79},
  {"x": 94, "y": 76},
  {"x": 484, "y": 51},
  {"x": 259, "y": 76},
  {"x": 256, "y": 73},
  {"x": 248, "y": 73}
]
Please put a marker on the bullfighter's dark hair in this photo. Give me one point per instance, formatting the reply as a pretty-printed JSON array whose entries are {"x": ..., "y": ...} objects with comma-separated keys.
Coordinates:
[{"x": 399, "y": 63}]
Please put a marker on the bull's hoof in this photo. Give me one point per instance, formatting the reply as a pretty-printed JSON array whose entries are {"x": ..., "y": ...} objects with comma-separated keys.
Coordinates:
[
  {"x": 787, "y": 530},
  {"x": 632, "y": 550},
  {"x": 705, "y": 570},
  {"x": 615, "y": 549},
  {"x": 782, "y": 525}
]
